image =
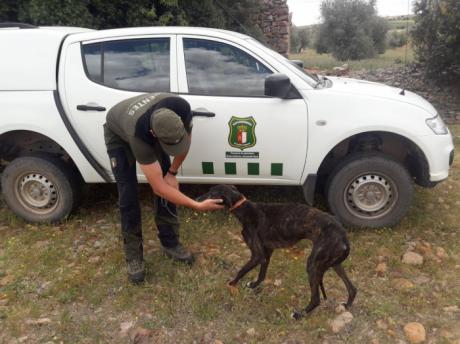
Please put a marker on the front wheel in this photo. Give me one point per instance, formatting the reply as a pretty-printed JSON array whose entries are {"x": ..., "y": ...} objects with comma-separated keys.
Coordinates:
[
  {"x": 40, "y": 188},
  {"x": 370, "y": 190}
]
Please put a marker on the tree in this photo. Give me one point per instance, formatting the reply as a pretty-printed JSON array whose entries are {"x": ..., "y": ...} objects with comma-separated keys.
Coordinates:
[
  {"x": 300, "y": 38},
  {"x": 234, "y": 15},
  {"x": 351, "y": 29},
  {"x": 436, "y": 37}
]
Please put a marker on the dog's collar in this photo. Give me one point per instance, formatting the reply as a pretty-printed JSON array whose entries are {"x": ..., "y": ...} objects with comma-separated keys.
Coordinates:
[{"x": 238, "y": 204}]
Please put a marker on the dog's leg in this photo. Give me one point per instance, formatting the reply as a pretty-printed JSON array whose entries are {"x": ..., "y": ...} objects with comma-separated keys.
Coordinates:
[
  {"x": 263, "y": 269},
  {"x": 315, "y": 276},
  {"x": 253, "y": 262},
  {"x": 322, "y": 289},
  {"x": 350, "y": 287}
]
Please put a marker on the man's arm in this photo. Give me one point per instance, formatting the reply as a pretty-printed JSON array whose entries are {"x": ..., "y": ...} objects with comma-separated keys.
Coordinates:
[
  {"x": 171, "y": 179},
  {"x": 154, "y": 176},
  {"x": 177, "y": 162}
]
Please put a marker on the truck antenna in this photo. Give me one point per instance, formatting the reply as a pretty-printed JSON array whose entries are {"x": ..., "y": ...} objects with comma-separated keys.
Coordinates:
[{"x": 403, "y": 91}]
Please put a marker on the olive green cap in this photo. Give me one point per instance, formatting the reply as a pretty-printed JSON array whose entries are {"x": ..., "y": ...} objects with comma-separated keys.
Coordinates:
[{"x": 169, "y": 129}]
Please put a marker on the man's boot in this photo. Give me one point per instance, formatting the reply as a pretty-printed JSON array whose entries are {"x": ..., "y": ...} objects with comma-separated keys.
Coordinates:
[
  {"x": 179, "y": 253},
  {"x": 136, "y": 271}
]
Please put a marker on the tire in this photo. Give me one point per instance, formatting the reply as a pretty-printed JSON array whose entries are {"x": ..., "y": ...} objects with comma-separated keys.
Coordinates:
[
  {"x": 369, "y": 190},
  {"x": 40, "y": 188}
]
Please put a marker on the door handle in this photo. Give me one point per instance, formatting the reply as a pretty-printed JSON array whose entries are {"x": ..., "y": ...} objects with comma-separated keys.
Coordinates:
[
  {"x": 202, "y": 113},
  {"x": 90, "y": 108}
]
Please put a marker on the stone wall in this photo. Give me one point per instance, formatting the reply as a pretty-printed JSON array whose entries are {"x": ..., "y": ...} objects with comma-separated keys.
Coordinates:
[{"x": 275, "y": 22}]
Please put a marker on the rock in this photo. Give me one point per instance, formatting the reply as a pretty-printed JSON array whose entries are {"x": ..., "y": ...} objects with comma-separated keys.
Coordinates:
[
  {"x": 277, "y": 283},
  {"x": 415, "y": 332},
  {"x": 251, "y": 332},
  {"x": 451, "y": 309},
  {"x": 125, "y": 327},
  {"x": 94, "y": 260},
  {"x": 424, "y": 247},
  {"x": 43, "y": 288},
  {"x": 381, "y": 324},
  {"x": 340, "y": 309},
  {"x": 441, "y": 253},
  {"x": 41, "y": 321},
  {"x": 6, "y": 280},
  {"x": 402, "y": 284},
  {"x": 40, "y": 244},
  {"x": 340, "y": 321},
  {"x": 141, "y": 335},
  {"x": 420, "y": 280},
  {"x": 412, "y": 258},
  {"x": 384, "y": 252},
  {"x": 381, "y": 269}
]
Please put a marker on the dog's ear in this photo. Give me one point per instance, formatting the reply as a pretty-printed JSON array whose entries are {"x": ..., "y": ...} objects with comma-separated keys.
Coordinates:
[{"x": 234, "y": 195}]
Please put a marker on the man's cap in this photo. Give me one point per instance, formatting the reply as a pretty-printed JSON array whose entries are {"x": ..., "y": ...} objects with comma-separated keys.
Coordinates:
[{"x": 169, "y": 129}]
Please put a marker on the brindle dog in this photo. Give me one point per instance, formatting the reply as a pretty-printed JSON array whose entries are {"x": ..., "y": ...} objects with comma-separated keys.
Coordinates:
[{"x": 267, "y": 226}]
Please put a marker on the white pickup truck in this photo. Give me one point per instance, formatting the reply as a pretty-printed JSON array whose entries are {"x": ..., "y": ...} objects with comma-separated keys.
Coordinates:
[{"x": 263, "y": 120}]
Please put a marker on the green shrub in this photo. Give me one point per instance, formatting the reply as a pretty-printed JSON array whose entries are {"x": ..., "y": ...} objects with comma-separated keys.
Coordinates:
[
  {"x": 397, "y": 39},
  {"x": 351, "y": 29},
  {"x": 436, "y": 37}
]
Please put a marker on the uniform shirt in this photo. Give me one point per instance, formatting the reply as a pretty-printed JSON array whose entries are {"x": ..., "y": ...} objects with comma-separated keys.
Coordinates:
[{"x": 128, "y": 122}]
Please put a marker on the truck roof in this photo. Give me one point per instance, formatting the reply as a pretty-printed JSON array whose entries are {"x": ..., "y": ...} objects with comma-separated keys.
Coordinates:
[{"x": 29, "y": 57}]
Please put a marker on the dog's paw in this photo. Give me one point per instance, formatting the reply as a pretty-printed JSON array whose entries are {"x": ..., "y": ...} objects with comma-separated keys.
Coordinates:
[
  {"x": 232, "y": 283},
  {"x": 296, "y": 315},
  {"x": 252, "y": 285}
]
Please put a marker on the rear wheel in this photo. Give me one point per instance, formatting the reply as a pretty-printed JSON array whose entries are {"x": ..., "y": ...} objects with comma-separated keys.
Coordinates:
[
  {"x": 40, "y": 188},
  {"x": 370, "y": 190}
]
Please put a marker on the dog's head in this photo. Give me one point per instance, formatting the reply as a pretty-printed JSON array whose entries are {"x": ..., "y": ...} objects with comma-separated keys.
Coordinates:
[{"x": 228, "y": 193}]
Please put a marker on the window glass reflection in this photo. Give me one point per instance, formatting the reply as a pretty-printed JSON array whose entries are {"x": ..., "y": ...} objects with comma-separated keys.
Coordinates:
[
  {"x": 219, "y": 69},
  {"x": 135, "y": 65}
]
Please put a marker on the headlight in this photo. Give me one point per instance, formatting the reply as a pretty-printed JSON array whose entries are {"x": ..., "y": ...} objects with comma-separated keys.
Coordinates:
[{"x": 437, "y": 125}]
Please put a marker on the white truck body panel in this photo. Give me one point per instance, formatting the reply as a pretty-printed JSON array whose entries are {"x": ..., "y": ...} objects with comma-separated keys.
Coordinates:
[
  {"x": 38, "y": 114},
  {"x": 29, "y": 58},
  {"x": 348, "y": 107}
]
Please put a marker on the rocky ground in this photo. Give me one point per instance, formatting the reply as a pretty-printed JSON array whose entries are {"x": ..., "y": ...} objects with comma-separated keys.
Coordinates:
[{"x": 445, "y": 98}]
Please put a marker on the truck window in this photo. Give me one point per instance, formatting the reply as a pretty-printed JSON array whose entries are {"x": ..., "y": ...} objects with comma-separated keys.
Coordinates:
[
  {"x": 140, "y": 65},
  {"x": 219, "y": 69}
]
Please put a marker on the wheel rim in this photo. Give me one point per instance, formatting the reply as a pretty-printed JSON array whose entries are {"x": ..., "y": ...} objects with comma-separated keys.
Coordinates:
[
  {"x": 370, "y": 195},
  {"x": 37, "y": 193}
]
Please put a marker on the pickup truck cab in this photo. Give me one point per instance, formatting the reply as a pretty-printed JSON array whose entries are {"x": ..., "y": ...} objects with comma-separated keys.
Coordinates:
[{"x": 260, "y": 120}]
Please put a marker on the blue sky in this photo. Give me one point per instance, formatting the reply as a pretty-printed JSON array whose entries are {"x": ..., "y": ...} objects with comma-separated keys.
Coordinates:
[{"x": 306, "y": 12}]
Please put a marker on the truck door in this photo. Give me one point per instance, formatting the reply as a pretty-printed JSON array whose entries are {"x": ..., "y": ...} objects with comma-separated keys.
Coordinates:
[
  {"x": 99, "y": 74},
  {"x": 247, "y": 138}
]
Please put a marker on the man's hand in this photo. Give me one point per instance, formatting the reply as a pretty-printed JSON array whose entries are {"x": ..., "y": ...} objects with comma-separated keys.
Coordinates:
[
  {"x": 209, "y": 204},
  {"x": 171, "y": 181},
  {"x": 154, "y": 176}
]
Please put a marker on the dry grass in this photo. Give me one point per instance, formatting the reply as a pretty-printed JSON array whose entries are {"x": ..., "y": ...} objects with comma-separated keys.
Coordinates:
[
  {"x": 391, "y": 57},
  {"x": 74, "y": 275}
]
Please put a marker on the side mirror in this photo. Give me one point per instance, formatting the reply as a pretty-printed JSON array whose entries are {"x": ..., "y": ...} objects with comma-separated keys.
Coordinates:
[{"x": 278, "y": 86}]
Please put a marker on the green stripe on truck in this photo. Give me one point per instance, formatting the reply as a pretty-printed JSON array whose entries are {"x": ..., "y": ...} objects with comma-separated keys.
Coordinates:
[
  {"x": 253, "y": 168},
  {"x": 207, "y": 167},
  {"x": 277, "y": 169},
  {"x": 230, "y": 168}
]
